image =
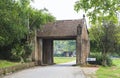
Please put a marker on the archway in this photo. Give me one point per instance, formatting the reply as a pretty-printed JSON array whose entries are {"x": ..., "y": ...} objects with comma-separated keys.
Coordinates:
[{"x": 64, "y": 51}]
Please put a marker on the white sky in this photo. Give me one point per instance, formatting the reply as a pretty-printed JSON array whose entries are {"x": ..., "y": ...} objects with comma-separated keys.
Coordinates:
[{"x": 61, "y": 9}]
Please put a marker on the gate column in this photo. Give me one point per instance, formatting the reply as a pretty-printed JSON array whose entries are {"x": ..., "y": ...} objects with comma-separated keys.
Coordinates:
[
  {"x": 47, "y": 51},
  {"x": 37, "y": 53},
  {"x": 78, "y": 45},
  {"x": 82, "y": 45}
]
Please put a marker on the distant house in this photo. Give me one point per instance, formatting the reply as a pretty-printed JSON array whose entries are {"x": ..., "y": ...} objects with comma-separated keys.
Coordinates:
[{"x": 68, "y": 54}]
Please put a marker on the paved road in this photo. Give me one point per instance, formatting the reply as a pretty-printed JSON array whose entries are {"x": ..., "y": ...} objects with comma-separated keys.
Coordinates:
[{"x": 55, "y": 71}]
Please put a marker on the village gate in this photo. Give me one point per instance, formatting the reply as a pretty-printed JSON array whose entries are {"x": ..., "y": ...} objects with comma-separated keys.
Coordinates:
[{"x": 61, "y": 30}]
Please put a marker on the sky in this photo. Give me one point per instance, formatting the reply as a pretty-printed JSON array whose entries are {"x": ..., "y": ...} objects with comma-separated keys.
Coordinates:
[{"x": 61, "y": 9}]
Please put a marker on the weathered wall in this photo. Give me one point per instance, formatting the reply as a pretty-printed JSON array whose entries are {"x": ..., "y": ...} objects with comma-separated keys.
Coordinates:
[
  {"x": 79, "y": 44},
  {"x": 47, "y": 51},
  {"x": 40, "y": 51},
  {"x": 37, "y": 52},
  {"x": 83, "y": 45}
]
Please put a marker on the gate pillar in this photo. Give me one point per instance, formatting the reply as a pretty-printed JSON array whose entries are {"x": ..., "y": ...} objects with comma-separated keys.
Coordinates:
[
  {"x": 79, "y": 45},
  {"x": 48, "y": 51}
]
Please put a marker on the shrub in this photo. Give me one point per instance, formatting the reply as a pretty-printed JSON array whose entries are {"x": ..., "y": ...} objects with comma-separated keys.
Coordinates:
[
  {"x": 98, "y": 57},
  {"x": 17, "y": 53},
  {"x": 21, "y": 53},
  {"x": 28, "y": 50}
]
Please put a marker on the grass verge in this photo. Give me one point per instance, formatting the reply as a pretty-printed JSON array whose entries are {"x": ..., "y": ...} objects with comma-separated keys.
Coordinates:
[
  {"x": 4, "y": 63},
  {"x": 58, "y": 60},
  {"x": 110, "y": 72}
]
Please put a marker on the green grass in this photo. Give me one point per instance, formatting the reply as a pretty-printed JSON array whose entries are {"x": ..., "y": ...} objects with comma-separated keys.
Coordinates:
[
  {"x": 58, "y": 60},
  {"x": 110, "y": 72},
  {"x": 4, "y": 63}
]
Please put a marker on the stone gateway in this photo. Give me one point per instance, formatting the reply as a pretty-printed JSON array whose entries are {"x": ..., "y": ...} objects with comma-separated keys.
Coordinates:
[{"x": 61, "y": 30}]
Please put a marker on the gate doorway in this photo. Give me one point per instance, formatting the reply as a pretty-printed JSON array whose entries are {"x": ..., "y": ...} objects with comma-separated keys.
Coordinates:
[{"x": 64, "y": 51}]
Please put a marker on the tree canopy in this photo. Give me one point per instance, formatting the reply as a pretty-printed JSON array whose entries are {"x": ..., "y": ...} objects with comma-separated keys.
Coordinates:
[
  {"x": 17, "y": 21},
  {"x": 65, "y": 45},
  {"x": 104, "y": 32},
  {"x": 99, "y": 10},
  {"x": 12, "y": 24}
]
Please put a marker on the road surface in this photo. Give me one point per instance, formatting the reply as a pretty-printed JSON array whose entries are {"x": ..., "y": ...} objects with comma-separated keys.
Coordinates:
[{"x": 55, "y": 71}]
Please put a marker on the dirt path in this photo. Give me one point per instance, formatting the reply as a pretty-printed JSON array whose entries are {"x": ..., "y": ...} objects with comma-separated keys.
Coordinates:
[{"x": 90, "y": 71}]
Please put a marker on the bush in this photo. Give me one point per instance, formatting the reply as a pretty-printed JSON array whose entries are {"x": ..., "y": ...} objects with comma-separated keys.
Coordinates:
[
  {"x": 109, "y": 61},
  {"x": 21, "y": 53},
  {"x": 17, "y": 53},
  {"x": 28, "y": 50},
  {"x": 98, "y": 57},
  {"x": 58, "y": 55}
]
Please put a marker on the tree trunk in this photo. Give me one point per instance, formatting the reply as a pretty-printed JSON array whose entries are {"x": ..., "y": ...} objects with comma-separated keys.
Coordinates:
[{"x": 104, "y": 58}]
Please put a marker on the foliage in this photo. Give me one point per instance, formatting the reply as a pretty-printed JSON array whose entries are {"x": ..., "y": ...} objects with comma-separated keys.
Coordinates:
[
  {"x": 58, "y": 55},
  {"x": 17, "y": 53},
  {"x": 104, "y": 36},
  {"x": 99, "y": 57},
  {"x": 37, "y": 18},
  {"x": 109, "y": 72},
  {"x": 28, "y": 50},
  {"x": 105, "y": 39},
  {"x": 18, "y": 23},
  {"x": 103, "y": 17},
  {"x": 99, "y": 10},
  {"x": 21, "y": 53},
  {"x": 65, "y": 45},
  {"x": 12, "y": 25}
]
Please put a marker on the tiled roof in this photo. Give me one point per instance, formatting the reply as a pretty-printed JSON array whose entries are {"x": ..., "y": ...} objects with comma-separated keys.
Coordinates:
[{"x": 60, "y": 28}]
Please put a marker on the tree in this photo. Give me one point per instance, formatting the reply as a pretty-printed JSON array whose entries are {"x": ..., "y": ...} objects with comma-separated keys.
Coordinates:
[
  {"x": 37, "y": 18},
  {"x": 99, "y": 10},
  {"x": 104, "y": 39},
  {"x": 18, "y": 22},
  {"x": 12, "y": 27},
  {"x": 65, "y": 45},
  {"x": 103, "y": 15}
]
